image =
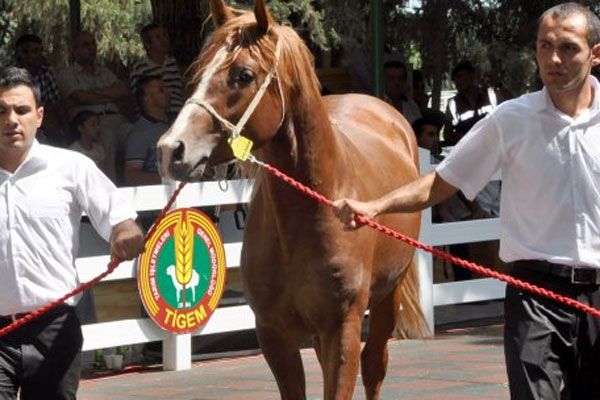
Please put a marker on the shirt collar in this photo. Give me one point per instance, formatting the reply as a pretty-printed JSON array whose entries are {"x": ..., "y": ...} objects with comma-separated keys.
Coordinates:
[
  {"x": 544, "y": 102},
  {"x": 35, "y": 158}
]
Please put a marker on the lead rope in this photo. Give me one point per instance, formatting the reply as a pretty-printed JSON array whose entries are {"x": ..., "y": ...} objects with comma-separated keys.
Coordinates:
[{"x": 415, "y": 243}]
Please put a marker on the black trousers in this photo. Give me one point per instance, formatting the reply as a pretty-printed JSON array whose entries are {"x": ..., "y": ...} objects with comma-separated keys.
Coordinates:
[
  {"x": 42, "y": 358},
  {"x": 552, "y": 350}
]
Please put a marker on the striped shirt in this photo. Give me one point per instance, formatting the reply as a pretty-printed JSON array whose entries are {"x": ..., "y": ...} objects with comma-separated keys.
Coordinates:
[
  {"x": 44, "y": 78},
  {"x": 171, "y": 76}
]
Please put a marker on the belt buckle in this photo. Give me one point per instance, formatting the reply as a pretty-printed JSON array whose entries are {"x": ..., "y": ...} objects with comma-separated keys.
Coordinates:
[{"x": 577, "y": 278}]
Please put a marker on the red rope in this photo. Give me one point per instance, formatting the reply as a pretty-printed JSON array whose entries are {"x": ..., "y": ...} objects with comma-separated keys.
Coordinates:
[
  {"x": 114, "y": 262},
  {"x": 455, "y": 260}
]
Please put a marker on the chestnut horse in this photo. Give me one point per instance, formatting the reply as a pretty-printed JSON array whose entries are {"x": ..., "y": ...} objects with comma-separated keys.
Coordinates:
[{"x": 304, "y": 276}]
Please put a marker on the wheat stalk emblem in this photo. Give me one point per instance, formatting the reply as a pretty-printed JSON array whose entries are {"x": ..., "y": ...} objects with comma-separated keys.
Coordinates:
[{"x": 184, "y": 239}]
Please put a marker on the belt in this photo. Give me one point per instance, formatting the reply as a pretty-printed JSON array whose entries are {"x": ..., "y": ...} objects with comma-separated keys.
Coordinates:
[
  {"x": 572, "y": 274},
  {"x": 7, "y": 319},
  {"x": 107, "y": 112},
  {"x": 12, "y": 317}
]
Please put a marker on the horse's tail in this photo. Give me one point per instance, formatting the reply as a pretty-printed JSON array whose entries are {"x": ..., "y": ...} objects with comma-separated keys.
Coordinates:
[{"x": 411, "y": 322}]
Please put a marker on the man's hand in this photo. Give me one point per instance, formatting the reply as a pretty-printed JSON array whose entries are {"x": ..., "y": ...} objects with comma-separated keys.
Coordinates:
[
  {"x": 126, "y": 240},
  {"x": 346, "y": 210}
]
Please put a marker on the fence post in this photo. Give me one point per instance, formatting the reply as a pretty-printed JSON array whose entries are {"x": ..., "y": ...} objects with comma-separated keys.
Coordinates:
[
  {"x": 425, "y": 259},
  {"x": 177, "y": 352},
  {"x": 177, "y": 348}
]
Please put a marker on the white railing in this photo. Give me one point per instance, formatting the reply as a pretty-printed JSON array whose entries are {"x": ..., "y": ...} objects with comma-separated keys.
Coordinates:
[{"x": 177, "y": 348}]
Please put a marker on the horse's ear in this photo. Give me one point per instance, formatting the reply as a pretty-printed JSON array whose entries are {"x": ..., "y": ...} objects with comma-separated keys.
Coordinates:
[
  {"x": 263, "y": 18},
  {"x": 220, "y": 12}
]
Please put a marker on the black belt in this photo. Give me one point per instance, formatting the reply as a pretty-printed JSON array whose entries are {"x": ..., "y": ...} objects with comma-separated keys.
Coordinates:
[
  {"x": 572, "y": 274},
  {"x": 8, "y": 319},
  {"x": 107, "y": 112}
]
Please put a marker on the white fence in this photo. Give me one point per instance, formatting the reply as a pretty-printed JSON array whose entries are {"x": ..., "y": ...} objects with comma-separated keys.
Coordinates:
[{"x": 177, "y": 348}]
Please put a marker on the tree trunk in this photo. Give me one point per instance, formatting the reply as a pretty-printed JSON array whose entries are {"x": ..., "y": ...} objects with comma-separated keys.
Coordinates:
[
  {"x": 184, "y": 20},
  {"x": 435, "y": 15}
]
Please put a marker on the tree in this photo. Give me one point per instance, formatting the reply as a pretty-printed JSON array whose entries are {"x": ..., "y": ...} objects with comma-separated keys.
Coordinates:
[
  {"x": 114, "y": 23},
  {"x": 187, "y": 22}
]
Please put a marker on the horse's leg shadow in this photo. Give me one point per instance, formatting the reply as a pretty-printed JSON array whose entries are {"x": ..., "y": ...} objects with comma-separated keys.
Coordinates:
[
  {"x": 282, "y": 353},
  {"x": 374, "y": 357}
]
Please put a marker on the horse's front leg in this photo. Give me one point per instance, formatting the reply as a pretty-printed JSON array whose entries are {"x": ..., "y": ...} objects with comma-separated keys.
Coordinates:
[
  {"x": 282, "y": 352},
  {"x": 340, "y": 349}
]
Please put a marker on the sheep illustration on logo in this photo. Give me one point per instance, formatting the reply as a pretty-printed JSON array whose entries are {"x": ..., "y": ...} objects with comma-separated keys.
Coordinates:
[
  {"x": 181, "y": 275},
  {"x": 181, "y": 288}
]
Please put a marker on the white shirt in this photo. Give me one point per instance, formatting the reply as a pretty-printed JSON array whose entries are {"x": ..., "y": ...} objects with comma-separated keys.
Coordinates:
[
  {"x": 74, "y": 78},
  {"x": 96, "y": 153},
  {"x": 550, "y": 162},
  {"x": 41, "y": 205}
]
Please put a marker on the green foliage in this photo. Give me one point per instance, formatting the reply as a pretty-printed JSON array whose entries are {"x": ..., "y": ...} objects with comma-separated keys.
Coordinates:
[
  {"x": 495, "y": 34},
  {"x": 114, "y": 23},
  {"x": 304, "y": 15}
]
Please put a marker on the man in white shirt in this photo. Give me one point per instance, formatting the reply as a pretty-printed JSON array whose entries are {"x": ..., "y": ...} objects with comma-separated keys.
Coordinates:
[
  {"x": 90, "y": 86},
  {"x": 547, "y": 145},
  {"x": 43, "y": 192}
]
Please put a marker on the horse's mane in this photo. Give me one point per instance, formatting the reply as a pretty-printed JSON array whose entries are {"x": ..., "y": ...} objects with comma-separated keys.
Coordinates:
[{"x": 295, "y": 67}]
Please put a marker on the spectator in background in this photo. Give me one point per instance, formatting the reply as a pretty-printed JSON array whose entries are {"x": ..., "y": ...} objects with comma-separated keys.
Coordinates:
[
  {"x": 420, "y": 96},
  {"x": 159, "y": 62},
  {"x": 140, "y": 153},
  {"x": 470, "y": 104},
  {"x": 427, "y": 130},
  {"x": 397, "y": 90},
  {"x": 85, "y": 129},
  {"x": 29, "y": 52},
  {"x": 90, "y": 86}
]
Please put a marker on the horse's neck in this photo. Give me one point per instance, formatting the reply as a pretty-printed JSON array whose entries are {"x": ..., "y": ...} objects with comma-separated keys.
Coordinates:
[{"x": 308, "y": 149}]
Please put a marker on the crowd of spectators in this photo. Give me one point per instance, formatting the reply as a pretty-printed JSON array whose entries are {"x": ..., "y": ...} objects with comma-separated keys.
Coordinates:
[{"x": 88, "y": 108}]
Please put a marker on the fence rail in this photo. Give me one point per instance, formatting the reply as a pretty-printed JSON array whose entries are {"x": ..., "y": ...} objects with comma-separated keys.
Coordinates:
[{"x": 177, "y": 348}]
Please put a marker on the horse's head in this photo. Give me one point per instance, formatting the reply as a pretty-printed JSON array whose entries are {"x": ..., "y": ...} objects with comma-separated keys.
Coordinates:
[{"x": 238, "y": 90}]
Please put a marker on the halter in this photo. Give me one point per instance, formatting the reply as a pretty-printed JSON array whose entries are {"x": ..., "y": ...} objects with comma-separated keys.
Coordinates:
[{"x": 236, "y": 129}]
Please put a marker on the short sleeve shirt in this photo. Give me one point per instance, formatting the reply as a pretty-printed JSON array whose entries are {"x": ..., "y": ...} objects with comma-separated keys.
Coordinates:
[{"x": 550, "y": 162}]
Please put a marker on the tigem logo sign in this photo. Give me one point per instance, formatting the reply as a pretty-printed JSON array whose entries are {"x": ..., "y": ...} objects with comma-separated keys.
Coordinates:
[{"x": 181, "y": 274}]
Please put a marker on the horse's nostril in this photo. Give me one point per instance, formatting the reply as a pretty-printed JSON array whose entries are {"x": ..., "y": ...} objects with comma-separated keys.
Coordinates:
[{"x": 178, "y": 152}]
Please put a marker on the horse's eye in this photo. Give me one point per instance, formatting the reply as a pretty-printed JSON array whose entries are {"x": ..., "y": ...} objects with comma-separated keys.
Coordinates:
[{"x": 245, "y": 76}]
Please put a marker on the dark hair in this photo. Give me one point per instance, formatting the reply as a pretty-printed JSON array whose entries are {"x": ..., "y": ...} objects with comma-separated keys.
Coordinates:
[
  {"x": 145, "y": 32},
  {"x": 13, "y": 76},
  {"x": 140, "y": 87},
  {"x": 418, "y": 77},
  {"x": 567, "y": 10},
  {"x": 24, "y": 41},
  {"x": 79, "y": 119},
  {"x": 429, "y": 117},
  {"x": 462, "y": 66},
  {"x": 395, "y": 64}
]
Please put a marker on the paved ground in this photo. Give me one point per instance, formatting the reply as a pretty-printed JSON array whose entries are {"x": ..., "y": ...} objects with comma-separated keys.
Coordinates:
[{"x": 464, "y": 363}]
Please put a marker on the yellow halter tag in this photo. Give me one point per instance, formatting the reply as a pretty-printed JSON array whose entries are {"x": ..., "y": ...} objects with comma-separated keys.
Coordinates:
[{"x": 241, "y": 147}]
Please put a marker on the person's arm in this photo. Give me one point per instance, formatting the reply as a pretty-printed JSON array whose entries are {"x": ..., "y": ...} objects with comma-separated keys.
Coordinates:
[
  {"x": 134, "y": 174},
  {"x": 89, "y": 97},
  {"x": 101, "y": 95},
  {"x": 117, "y": 90},
  {"x": 126, "y": 240},
  {"x": 476, "y": 211},
  {"x": 417, "y": 195}
]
